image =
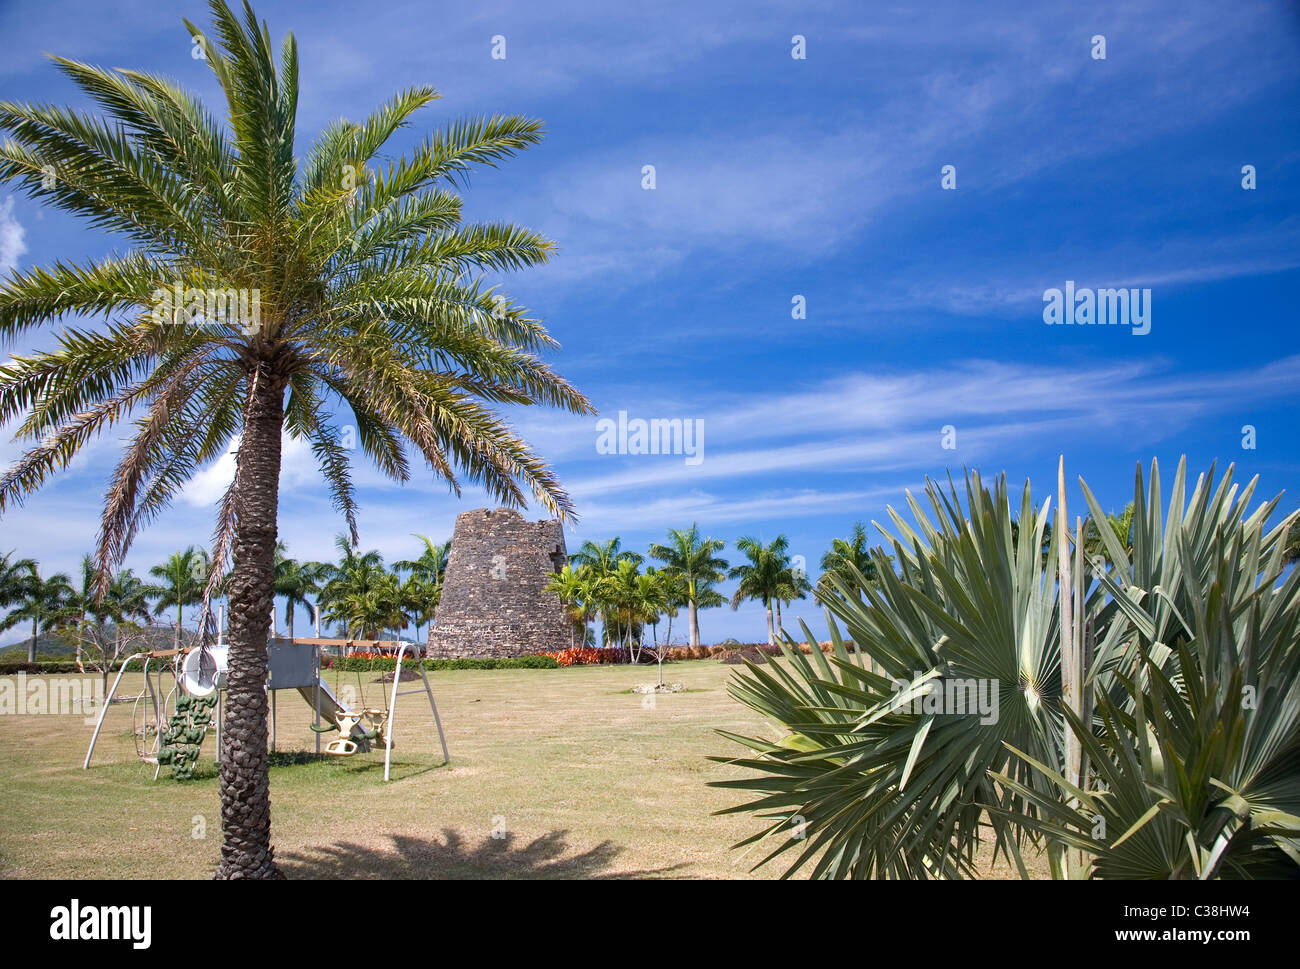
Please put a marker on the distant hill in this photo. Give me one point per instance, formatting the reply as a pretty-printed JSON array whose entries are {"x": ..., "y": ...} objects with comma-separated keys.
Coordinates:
[{"x": 54, "y": 646}]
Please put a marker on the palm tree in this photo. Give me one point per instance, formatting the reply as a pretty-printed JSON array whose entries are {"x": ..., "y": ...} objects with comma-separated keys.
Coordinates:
[
  {"x": 794, "y": 585},
  {"x": 1291, "y": 544},
  {"x": 765, "y": 578},
  {"x": 843, "y": 558},
  {"x": 360, "y": 592},
  {"x": 603, "y": 561},
  {"x": 294, "y": 582},
  {"x": 357, "y": 287},
  {"x": 419, "y": 598},
  {"x": 1121, "y": 525},
  {"x": 893, "y": 780},
  {"x": 604, "y": 558},
  {"x": 696, "y": 560},
  {"x": 127, "y": 598},
  {"x": 45, "y": 603},
  {"x": 92, "y": 612},
  {"x": 575, "y": 589},
  {"x": 369, "y": 603},
  {"x": 184, "y": 579},
  {"x": 15, "y": 574},
  {"x": 620, "y": 606},
  {"x": 432, "y": 563}
]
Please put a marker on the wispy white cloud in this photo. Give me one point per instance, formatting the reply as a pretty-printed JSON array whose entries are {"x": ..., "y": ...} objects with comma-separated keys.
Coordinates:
[{"x": 12, "y": 245}]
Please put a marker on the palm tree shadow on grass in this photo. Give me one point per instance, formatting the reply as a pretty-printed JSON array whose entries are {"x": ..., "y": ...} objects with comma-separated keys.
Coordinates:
[{"x": 452, "y": 857}]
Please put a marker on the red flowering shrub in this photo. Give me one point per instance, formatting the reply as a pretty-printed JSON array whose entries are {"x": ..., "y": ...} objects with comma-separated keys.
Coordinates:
[{"x": 585, "y": 656}]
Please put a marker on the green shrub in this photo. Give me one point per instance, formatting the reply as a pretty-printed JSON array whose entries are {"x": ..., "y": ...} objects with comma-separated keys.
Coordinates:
[{"x": 386, "y": 664}]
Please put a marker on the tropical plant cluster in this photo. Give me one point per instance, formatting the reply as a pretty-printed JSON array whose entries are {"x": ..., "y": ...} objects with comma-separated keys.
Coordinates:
[{"x": 1175, "y": 755}]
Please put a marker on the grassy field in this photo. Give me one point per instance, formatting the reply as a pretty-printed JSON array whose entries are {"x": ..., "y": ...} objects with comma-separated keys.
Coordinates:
[{"x": 583, "y": 778}]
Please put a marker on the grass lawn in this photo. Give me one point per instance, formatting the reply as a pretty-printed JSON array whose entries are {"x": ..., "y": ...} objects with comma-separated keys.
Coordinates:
[{"x": 583, "y": 778}]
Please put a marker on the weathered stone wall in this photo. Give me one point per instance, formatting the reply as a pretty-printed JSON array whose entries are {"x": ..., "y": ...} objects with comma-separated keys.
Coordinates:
[{"x": 494, "y": 599}]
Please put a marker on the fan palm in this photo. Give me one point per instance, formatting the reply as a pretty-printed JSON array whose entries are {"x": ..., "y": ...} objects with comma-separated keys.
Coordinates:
[
  {"x": 1197, "y": 744},
  {"x": 341, "y": 283},
  {"x": 890, "y": 790},
  {"x": 696, "y": 560},
  {"x": 887, "y": 786}
]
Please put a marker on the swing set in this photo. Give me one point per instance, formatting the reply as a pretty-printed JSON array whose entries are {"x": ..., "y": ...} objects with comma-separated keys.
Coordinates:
[{"x": 173, "y": 713}]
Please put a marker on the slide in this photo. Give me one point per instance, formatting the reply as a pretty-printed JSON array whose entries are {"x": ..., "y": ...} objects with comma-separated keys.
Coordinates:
[{"x": 330, "y": 710}]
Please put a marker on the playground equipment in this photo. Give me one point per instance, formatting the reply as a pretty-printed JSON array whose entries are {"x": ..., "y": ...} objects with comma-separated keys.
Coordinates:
[{"x": 171, "y": 719}]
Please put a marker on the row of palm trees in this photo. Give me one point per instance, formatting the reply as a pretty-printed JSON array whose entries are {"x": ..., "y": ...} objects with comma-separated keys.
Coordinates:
[
  {"x": 56, "y": 603},
  {"x": 604, "y": 581},
  {"x": 357, "y": 592}
]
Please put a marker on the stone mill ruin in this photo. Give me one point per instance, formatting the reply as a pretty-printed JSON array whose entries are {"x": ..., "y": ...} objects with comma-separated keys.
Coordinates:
[{"x": 494, "y": 599}]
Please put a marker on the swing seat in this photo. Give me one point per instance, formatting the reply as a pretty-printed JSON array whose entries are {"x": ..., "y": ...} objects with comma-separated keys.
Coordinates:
[
  {"x": 326, "y": 728},
  {"x": 341, "y": 747}
]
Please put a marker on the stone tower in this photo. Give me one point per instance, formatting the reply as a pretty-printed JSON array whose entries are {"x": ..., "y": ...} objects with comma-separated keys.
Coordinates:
[{"x": 494, "y": 599}]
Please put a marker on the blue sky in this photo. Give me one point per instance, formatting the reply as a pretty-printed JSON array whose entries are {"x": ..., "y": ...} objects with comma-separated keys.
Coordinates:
[{"x": 819, "y": 177}]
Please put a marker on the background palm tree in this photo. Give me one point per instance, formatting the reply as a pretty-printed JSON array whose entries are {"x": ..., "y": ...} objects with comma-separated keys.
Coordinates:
[
  {"x": 1121, "y": 525},
  {"x": 183, "y": 579},
  {"x": 765, "y": 577},
  {"x": 574, "y": 587},
  {"x": 127, "y": 598},
  {"x": 363, "y": 292},
  {"x": 696, "y": 560},
  {"x": 360, "y": 593},
  {"x": 620, "y": 602},
  {"x": 46, "y": 603},
  {"x": 794, "y": 585},
  {"x": 432, "y": 563},
  {"x": 99, "y": 617},
  {"x": 15, "y": 574},
  {"x": 294, "y": 582},
  {"x": 845, "y": 560},
  {"x": 419, "y": 598},
  {"x": 602, "y": 559}
]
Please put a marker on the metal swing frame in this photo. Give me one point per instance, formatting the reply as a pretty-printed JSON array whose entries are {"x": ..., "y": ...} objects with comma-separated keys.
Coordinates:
[{"x": 390, "y": 721}]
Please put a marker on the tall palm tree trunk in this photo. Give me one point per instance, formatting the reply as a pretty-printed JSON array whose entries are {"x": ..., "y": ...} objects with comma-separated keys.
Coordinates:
[
  {"x": 245, "y": 794},
  {"x": 695, "y": 625},
  {"x": 31, "y": 650},
  {"x": 771, "y": 633}
]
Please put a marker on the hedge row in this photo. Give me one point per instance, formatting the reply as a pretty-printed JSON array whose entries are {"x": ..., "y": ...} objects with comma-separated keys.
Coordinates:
[
  {"x": 386, "y": 664},
  {"x": 346, "y": 664},
  {"x": 53, "y": 666}
]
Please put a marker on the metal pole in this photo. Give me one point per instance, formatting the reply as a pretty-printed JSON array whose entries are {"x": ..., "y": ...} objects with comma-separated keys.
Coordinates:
[
  {"x": 392, "y": 713},
  {"x": 104, "y": 710},
  {"x": 446, "y": 757},
  {"x": 316, "y": 654}
]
